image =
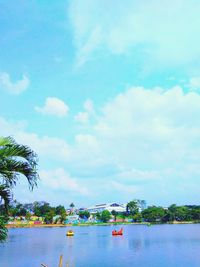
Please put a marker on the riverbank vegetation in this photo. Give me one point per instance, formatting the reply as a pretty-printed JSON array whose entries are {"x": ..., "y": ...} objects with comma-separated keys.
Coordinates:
[{"x": 42, "y": 213}]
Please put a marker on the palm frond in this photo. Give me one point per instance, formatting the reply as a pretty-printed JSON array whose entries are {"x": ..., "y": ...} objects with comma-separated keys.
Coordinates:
[
  {"x": 16, "y": 159},
  {"x": 3, "y": 229},
  {"x": 9, "y": 148},
  {"x": 5, "y": 194},
  {"x": 10, "y": 170},
  {"x": 6, "y": 141}
]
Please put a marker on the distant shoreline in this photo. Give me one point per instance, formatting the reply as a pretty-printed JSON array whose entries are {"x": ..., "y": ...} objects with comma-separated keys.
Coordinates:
[{"x": 95, "y": 224}]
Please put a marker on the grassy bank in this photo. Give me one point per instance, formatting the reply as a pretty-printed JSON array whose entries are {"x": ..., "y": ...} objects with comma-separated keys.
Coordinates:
[{"x": 95, "y": 224}]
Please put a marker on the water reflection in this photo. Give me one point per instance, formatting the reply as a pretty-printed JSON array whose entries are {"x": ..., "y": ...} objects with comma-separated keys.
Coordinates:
[{"x": 135, "y": 245}]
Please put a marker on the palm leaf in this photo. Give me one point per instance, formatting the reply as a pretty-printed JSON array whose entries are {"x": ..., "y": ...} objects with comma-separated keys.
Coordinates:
[
  {"x": 3, "y": 229},
  {"x": 17, "y": 159},
  {"x": 10, "y": 170},
  {"x": 5, "y": 194},
  {"x": 9, "y": 148},
  {"x": 5, "y": 141}
]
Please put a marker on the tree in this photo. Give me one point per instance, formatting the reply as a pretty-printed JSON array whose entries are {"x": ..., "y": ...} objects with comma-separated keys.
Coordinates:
[
  {"x": 132, "y": 207},
  {"x": 49, "y": 216},
  {"x": 114, "y": 213},
  {"x": 98, "y": 216},
  {"x": 28, "y": 215},
  {"x": 41, "y": 208},
  {"x": 183, "y": 213},
  {"x": 60, "y": 210},
  {"x": 195, "y": 212},
  {"x": 72, "y": 208},
  {"x": 123, "y": 215},
  {"x": 72, "y": 205},
  {"x": 84, "y": 214},
  {"x": 15, "y": 160},
  {"x": 105, "y": 216},
  {"x": 153, "y": 214},
  {"x": 180, "y": 213},
  {"x": 137, "y": 217}
]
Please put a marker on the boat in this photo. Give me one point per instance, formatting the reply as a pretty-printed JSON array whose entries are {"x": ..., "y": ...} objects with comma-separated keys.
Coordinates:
[
  {"x": 115, "y": 232},
  {"x": 70, "y": 233}
]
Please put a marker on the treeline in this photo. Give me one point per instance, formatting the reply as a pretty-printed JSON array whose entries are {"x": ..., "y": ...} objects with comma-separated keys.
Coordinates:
[
  {"x": 154, "y": 214},
  {"x": 172, "y": 213},
  {"x": 133, "y": 212},
  {"x": 160, "y": 214},
  {"x": 39, "y": 209}
]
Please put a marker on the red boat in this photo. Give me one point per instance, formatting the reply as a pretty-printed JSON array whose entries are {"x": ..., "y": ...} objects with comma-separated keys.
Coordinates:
[{"x": 120, "y": 232}]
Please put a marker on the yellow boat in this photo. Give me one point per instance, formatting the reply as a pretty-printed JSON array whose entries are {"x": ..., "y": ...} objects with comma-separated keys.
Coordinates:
[{"x": 70, "y": 233}]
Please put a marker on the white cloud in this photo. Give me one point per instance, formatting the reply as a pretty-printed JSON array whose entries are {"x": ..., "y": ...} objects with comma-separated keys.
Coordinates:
[
  {"x": 148, "y": 137},
  {"x": 15, "y": 88},
  {"x": 123, "y": 188},
  {"x": 84, "y": 116},
  {"x": 9, "y": 128},
  {"x": 195, "y": 83},
  {"x": 60, "y": 179},
  {"x": 53, "y": 106},
  {"x": 162, "y": 32},
  {"x": 151, "y": 125},
  {"x": 142, "y": 139},
  {"x": 47, "y": 148},
  {"x": 88, "y": 105}
]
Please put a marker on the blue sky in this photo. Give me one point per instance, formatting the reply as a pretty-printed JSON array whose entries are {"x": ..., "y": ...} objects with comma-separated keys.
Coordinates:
[{"x": 107, "y": 94}]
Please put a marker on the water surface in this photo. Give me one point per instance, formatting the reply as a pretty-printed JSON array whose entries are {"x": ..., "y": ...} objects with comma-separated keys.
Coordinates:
[{"x": 94, "y": 246}]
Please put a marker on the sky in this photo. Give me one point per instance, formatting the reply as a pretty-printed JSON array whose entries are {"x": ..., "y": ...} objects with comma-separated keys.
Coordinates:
[{"x": 107, "y": 93}]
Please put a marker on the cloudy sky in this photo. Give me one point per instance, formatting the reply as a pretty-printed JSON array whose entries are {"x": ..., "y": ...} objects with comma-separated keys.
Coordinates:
[{"x": 107, "y": 93}]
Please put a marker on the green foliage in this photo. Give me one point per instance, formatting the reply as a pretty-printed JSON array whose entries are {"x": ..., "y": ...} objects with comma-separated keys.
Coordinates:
[
  {"x": 114, "y": 213},
  {"x": 15, "y": 160},
  {"x": 40, "y": 209},
  {"x": 105, "y": 216},
  {"x": 181, "y": 213},
  {"x": 60, "y": 210},
  {"x": 28, "y": 215},
  {"x": 84, "y": 214},
  {"x": 98, "y": 216},
  {"x": 153, "y": 214},
  {"x": 132, "y": 207},
  {"x": 49, "y": 216},
  {"x": 5, "y": 194},
  {"x": 137, "y": 217},
  {"x": 72, "y": 205},
  {"x": 3, "y": 229},
  {"x": 195, "y": 213}
]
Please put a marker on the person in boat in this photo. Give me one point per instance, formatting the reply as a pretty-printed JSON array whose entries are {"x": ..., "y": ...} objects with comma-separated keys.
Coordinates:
[{"x": 115, "y": 232}]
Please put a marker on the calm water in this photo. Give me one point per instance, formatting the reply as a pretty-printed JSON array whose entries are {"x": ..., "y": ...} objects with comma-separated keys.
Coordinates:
[{"x": 155, "y": 246}]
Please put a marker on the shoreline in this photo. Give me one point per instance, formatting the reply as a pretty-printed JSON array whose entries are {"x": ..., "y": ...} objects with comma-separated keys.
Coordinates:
[{"x": 8, "y": 226}]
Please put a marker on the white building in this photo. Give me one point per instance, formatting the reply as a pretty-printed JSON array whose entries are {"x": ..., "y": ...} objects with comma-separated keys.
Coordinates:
[{"x": 109, "y": 206}]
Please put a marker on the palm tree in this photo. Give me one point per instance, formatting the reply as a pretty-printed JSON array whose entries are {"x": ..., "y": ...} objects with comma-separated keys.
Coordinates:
[
  {"x": 15, "y": 160},
  {"x": 72, "y": 208}
]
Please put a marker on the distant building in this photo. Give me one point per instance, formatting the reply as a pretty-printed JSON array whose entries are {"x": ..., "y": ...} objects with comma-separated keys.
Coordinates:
[{"x": 109, "y": 206}]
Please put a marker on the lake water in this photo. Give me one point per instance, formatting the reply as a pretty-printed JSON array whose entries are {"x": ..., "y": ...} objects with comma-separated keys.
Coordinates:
[{"x": 94, "y": 246}]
